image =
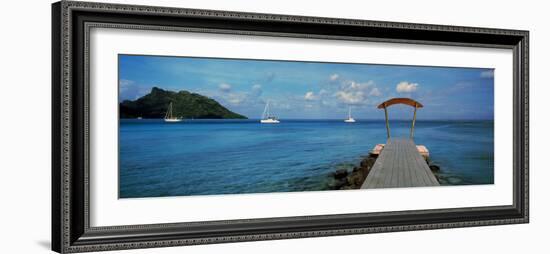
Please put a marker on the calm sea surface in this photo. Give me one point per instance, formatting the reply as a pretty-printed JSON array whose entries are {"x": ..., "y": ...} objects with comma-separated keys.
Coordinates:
[{"x": 201, "y": 157}]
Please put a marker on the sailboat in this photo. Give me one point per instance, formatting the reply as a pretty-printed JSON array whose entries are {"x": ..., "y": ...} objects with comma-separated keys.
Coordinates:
[
  {"x": 267, "y": 117},
  {"x": 350, "y": 119},
  {"x": 169, "y": 118}
]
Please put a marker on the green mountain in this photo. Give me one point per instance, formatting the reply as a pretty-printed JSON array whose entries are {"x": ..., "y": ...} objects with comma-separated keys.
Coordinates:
[{"x": 185, "y": 104}]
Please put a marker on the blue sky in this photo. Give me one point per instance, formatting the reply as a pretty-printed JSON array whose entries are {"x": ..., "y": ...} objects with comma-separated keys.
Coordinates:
[{"x": 314, "y": 90}]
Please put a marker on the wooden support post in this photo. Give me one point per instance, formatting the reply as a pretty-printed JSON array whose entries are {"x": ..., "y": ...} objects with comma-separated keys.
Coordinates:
[
  {"x": 387, "y": 122},
  {"x": 414, "y": 120}
]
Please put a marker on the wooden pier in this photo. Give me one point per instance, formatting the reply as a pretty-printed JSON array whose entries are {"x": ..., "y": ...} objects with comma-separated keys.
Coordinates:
[
  {"x": 400, "y": 165},
  {"x": 400, "y": 162}
]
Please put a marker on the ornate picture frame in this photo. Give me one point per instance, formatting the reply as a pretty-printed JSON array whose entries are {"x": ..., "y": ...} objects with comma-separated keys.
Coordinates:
[{"x": 71, "y": 229}]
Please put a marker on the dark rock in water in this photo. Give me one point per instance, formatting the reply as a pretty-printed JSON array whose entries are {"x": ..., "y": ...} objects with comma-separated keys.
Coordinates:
[
  {"x": 442, "y": 180},
  {"x": 342, "y": 182},
  {"x": 340, "y": 173},
  {"x": 346, "y": 180},
  {"x": 356, "y": 179},
  {"x": 434, "y": 168},
  {"x": 368, "y": 162},
  {"x": 338, "y": 184}
]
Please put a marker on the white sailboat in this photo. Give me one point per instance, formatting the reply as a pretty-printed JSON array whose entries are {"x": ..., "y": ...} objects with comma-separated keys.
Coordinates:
[
  {"x": 169, "y": 118},
  {"x": 350, "y": 119},
  {"x": 267, "y": 117}
]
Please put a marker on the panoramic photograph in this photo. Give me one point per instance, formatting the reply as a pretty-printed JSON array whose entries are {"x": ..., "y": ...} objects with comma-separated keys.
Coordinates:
[{"x": 211, "y": 126}]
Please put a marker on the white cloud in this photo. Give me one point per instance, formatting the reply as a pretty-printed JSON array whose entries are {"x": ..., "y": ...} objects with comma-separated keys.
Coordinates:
[
  {"x": 406, "y": 87},
  {"x": 248, "y": 98},
  {"x": 256, "y": 90},
  {"x": 130, "y": 90},
  {"x": 236, "y": 98},
  {"x": 328, "y": 103},
  {"x": 352, "y": 85},
  {"x": 224, "y": 87},
  {"x": 285, "y": 106},
  {"x": 351, "y": 97},
  {"x": 256, "y": 87},
  {"x": 354, "y": 93},
  {"x": 487, "y": 74},
  {"x": 125, "y": 83},
  {"x": 375, "y": 92},
  {"x": 334, "y": 77},
  {"x": 310, "y": 96},
  {"x": 323, "y": 92}
]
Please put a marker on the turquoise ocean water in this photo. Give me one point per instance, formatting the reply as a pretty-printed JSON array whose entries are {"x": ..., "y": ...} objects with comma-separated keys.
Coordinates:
[{"x": 202, "y": 157}]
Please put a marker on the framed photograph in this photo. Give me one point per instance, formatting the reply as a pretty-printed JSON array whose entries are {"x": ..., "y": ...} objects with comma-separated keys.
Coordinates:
[{"x": 182, "y": 126}]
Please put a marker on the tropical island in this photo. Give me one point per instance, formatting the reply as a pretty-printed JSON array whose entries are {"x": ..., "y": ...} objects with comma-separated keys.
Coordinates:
[{"x": 185, "y": 105}]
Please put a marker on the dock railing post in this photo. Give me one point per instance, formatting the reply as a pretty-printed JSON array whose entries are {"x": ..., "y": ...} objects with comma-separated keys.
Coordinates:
[
  {"x": 414, "y": 120},
  {"x": 407, "y": 101},
  {"x": 387, "y": 122}
]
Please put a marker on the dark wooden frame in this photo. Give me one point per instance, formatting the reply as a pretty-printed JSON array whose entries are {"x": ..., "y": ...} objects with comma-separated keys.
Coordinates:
[{"x": 71, "y": 22}]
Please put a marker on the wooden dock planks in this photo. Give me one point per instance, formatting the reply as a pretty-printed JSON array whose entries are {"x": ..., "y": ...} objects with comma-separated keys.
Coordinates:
[{"x": 399, "y": 165}]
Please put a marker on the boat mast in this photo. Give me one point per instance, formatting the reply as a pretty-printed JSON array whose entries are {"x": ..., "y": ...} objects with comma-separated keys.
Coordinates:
[
  {"x": 169, "y": 112},
  {"x": 266, "y": 111}
]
